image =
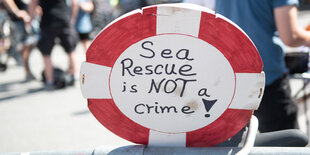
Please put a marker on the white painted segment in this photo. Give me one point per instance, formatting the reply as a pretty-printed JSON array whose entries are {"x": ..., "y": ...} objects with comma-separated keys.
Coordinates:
[
  {"x": 249, "y": 91},
  {"x": 178, "y": 20},
  {"x": 94, "y": 81},
  {"x": 159, "y": 139}
]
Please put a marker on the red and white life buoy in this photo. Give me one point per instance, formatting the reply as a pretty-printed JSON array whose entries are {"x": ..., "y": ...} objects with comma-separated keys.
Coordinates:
[{"x": 173, "y": 75}]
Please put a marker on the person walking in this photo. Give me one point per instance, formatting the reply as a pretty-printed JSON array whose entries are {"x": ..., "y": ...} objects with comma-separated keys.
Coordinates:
[
  {"x": 271, "y": 24},
  {"x": 57, "y": 21},
  {"x": 84, "y": 23},
  {"x": 21, "y": 45}
]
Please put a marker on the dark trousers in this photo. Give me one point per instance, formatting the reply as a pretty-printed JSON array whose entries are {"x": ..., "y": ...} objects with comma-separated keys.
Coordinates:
[{"x": 277, "y": 110}]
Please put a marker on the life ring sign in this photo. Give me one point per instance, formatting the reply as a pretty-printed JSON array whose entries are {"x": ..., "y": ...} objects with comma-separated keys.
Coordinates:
[{"x": 173, "y": 75}]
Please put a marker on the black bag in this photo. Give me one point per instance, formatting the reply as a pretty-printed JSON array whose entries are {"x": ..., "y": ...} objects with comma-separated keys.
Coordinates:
[
  {"x": 297, "y": 62},
  {"x": 61, "y": 78}
]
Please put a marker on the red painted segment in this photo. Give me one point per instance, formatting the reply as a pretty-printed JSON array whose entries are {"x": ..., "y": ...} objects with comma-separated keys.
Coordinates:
[
  {"x": 227, "y": 125},
  {"x": 116, "y": 38},
  {"x": 232, "y": 42},
  {"x": 113, "y": 119}
]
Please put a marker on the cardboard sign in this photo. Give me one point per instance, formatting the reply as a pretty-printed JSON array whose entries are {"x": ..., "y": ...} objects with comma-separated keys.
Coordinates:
[{"x": 173, "y": 75}]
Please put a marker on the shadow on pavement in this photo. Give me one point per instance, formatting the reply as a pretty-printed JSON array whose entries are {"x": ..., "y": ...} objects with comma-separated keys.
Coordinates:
[
  {"x": 78, "y": 113},
  {"x": 6, "y": 86},
  {"x": 30, "y": 91},
  {"x": 16, "y": 89}
]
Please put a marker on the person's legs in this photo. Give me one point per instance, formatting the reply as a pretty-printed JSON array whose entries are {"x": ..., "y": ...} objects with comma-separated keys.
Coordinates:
[
  {"x": 72, "y": 62},
  {"x": 85, "y": 43},
  {"x": 85, "y": 40},
  {"x": 45, "y": 45},
  {"x": 277, "y": 110},
  {"x": 17, "y": 38},
  {"x": 69, "y": 40},
  {"x": 48, "y": 69},
  {"x": 25, "y": 53}
]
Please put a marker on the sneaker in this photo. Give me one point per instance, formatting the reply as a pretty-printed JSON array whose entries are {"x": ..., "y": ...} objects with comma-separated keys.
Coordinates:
[
  {"x": 3, "y": 67},
  {"x": 49, "y": 86},
  {"x": 71, "y": 80},
  {"x": 29, "y": 78}
]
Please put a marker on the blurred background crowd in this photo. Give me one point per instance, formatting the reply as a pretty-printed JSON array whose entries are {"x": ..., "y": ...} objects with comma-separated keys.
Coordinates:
[
  {"x": 29, "y": 24},
  {"x": 26, "y": 24}
]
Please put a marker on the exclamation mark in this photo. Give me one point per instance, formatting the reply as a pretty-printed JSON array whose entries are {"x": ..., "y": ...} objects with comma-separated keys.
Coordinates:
[{"x": 208, "y": 105}]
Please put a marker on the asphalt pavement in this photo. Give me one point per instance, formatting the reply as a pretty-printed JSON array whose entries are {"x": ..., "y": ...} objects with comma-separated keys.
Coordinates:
[{"x": 32, "y": 119}]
